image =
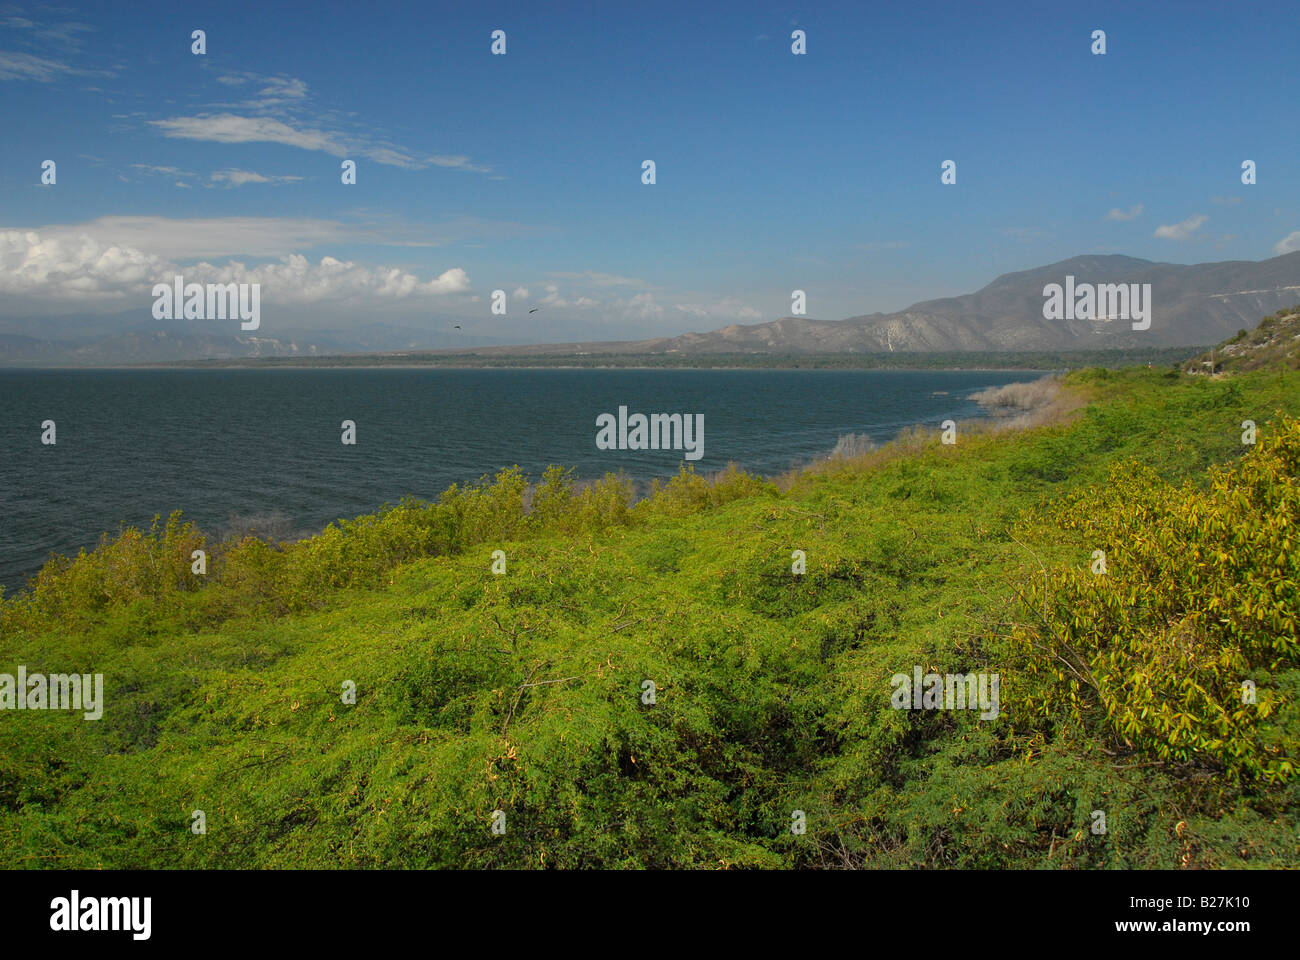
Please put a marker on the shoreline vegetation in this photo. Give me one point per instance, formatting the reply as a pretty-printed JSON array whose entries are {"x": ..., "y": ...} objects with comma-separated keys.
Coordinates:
[{"x": 479, "y": 692}]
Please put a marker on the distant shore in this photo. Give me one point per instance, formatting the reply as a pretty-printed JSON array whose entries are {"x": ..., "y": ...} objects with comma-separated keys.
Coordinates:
[{"x": 421, "y": 360}]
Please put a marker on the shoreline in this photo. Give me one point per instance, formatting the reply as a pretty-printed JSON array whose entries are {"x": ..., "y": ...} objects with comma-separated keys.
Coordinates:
[
  {"x": 995, "y": 418},
  {"x": 944, "y": 361},
  {"x": 145, "y": 368}
]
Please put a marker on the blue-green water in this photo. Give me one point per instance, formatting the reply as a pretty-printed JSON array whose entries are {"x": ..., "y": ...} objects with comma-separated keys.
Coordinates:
[{"x": 225, "y": 444}]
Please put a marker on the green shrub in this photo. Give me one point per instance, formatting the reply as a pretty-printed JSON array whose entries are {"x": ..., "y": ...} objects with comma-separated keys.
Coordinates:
[
  {"x": 689, "y": 493},
  {"x": 1201, "y": 594}
]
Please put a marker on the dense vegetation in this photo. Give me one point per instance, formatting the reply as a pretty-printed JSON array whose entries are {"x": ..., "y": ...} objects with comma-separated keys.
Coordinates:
[{"x": 523, "y": 692}]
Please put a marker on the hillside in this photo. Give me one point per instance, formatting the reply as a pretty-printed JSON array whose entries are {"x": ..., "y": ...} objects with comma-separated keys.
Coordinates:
[
  {"x": 524, "y": 693},
  {"x": 1274, "y": 343},
  {"x": 1191, "y": 304}
]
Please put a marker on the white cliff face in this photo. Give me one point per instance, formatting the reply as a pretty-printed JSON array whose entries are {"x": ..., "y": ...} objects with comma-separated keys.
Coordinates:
[{"x": 1242, "y": 293}]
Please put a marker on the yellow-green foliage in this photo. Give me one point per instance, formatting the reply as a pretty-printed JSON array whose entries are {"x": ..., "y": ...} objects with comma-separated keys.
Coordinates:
[
  {"x": 688, "y": 492},
  {"x": 559, "y": 504},
  {"x": 121, "y": 569},
  {"x": 1199, "y": 596},
  {"x": 251, "y": 574}
]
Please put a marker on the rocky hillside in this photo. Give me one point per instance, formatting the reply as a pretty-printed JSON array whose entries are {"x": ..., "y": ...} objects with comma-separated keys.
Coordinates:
[{"x": 1275, "y": 341}]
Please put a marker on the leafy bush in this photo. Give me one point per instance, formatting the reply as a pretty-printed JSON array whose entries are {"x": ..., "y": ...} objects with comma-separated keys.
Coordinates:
[
  {"x": 121, "y": 570},
  {"x": 1201, "y": 594},
  {"x": 689, "y": 493}
]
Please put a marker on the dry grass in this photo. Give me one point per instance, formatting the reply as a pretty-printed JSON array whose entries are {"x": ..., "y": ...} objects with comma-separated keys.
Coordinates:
[
  {"x": 1018, "y": 396},
  {"x": 273, "y": 527},
  {"x": 1023, "y": 406},
  {"x": 852, "y": 445},
  {"x": 1016, "y": 406}
]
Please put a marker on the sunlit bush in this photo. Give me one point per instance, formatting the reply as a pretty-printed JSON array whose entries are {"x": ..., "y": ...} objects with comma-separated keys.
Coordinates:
[{"x": 1200, "y": 599}]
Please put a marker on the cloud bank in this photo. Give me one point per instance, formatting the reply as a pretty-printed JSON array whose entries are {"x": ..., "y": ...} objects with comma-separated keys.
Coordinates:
[{"x": 79, "y": 267}]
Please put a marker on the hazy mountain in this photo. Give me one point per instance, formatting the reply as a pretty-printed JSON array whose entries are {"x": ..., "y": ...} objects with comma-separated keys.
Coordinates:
[
  {"x": 1190, "y": 305},
  {"x": 159, "y": 346},
  {"x": 81, "y": 340}
]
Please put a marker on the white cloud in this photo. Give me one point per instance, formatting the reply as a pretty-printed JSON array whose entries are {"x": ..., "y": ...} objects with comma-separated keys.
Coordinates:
[
  {"x": 71, "y": 267},
  {"x": 24, "y": 66},
  {"x": 272, "y": 86},
  {"x": 79, "y": 267},
  {"x": 279, "y": 110},
  {"x": 521, "y": 293},
  {"x": 1181, "y": 231},
  {"x": 1132, "y": 213},
  {"x": 161, "y": 171},
  {"x": 233, "y": 128},
  {"x": 1288, "y": 244},
  {"x": 642, "y": 307},
  {"x": 231, "y": 178},
  {"x": 295, "y": 279},
  {"x": 284, "y": 88},
  {"x": 58, "y": 42},
  {"x": 237, "y": 178},
  {"x": 229, "y": 128},
  {"x": 59, "y": 34},
  {"x": 457, "y": 163},
  {"x": 276, "y": 95}
]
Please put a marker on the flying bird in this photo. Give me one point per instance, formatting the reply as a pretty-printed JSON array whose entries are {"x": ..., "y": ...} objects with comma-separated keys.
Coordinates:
[{"x": 534, "y": 310}]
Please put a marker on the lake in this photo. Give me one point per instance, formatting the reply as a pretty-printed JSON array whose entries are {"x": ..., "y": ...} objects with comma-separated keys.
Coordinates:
[{"x": 226, "y": 445}]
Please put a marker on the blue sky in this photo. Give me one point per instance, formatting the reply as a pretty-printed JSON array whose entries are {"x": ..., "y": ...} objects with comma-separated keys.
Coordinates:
[{"x": 523, "y": 172}]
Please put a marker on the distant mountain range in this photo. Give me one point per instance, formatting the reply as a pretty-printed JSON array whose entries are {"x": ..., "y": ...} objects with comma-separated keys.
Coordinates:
[
  {"x": 1191, "y": 305},
  {"x": 79, "y": 341}
]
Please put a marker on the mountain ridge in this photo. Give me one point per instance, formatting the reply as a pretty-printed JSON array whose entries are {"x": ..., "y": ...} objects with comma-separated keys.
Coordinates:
[{"x": 1191, "y": 305}]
